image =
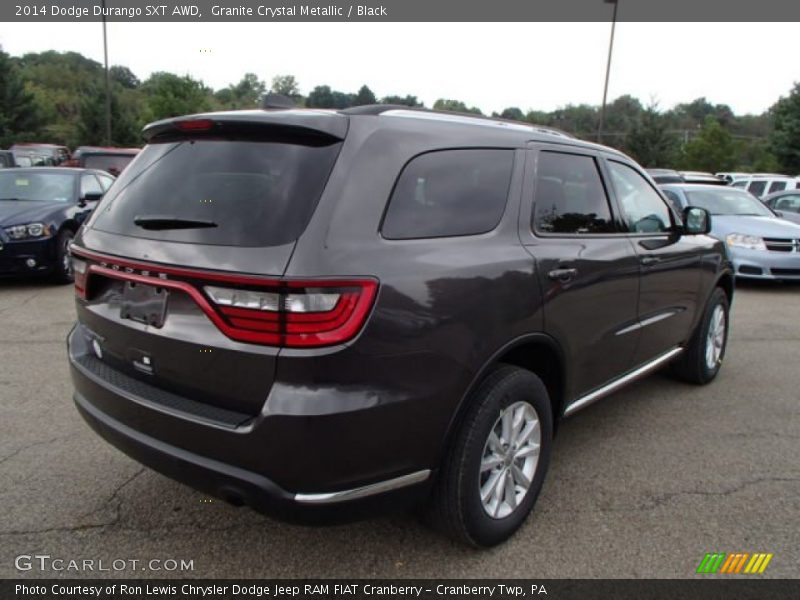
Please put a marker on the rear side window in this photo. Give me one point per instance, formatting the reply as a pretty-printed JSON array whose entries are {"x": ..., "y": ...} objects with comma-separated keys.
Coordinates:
[
  {"x": 570, "y": 197},
  {"x": 776, "y": 186},
  {"x": 247, "y": 193},
  {"x": 757, "y": 188},
  {"x": 449, "y": 193}
]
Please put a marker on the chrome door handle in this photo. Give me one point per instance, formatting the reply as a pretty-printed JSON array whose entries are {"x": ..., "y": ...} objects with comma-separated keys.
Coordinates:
[
  {"x": 650, "y": 260},
  {"x": 562, "y": 274}
]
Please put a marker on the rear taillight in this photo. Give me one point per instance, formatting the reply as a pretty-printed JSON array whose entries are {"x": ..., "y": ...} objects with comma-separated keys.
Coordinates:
[
  {"x": 299, "y": 314},
  {"x": 79, "y": 275},
  {"x": 274, "y": 312}
]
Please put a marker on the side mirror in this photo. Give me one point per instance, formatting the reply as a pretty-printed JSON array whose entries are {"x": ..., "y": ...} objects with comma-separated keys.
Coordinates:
[
  {"x": 90, "y": 197},
  {"x": 696, "y": 221},
  {"x": 779, "y": 213}
]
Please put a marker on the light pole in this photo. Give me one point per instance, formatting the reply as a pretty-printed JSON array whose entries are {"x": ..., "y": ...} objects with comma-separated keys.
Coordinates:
[
  {"x": 608, "y": 69},
  {"x": 108, "y": 81}
]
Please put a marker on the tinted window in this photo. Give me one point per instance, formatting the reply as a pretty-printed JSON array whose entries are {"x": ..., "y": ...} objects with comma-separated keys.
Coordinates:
[
  {"x": 644, "y": 210},
  {"x": 757, "y": 188},
  {"x": 569, "y": 195},
  {"x": 113, "y": 163},
  {"x": 448, "y": 193},
  {"x": 254, "y": 193},
  {"x": 776, "y": 186},
  {"x": 90, "y": 185}
]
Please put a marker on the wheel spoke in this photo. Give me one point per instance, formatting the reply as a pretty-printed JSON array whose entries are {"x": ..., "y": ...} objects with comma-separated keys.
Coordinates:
[
  {"x": 526, "y": 433},
  {"x": 488, "y": 488},
  {"x": 527, "y": 450},
  {"x": 507, "y": 418},
  {"x": 510, "y": 491},
  {"x": 517, "y": 424},
  {"x": 490, "y": 462},
  {"x": 520, "y": 477},
  {"x": 494, "y": 443}
]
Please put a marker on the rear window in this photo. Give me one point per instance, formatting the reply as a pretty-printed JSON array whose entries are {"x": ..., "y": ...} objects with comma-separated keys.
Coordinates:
[
  {"x": 449, "y": 193},
  {"x": 110, "y": 163},
  {"x": 255, "y": 193}
]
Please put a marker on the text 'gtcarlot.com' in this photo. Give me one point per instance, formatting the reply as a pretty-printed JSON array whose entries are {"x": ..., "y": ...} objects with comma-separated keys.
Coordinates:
[{"x": 46, "y": 562}]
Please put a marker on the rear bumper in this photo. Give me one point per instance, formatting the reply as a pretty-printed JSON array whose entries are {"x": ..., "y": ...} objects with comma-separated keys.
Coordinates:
[
  {"x": 241, "y": 487},
  {"x": 235, "y": 461}
]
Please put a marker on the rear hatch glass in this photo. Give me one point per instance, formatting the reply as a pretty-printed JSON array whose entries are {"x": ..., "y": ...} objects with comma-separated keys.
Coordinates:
[{"x": 252, "y": 193}]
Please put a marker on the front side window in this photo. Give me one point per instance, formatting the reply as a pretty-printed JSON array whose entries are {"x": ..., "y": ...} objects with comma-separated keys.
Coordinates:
[
  {"x": 789, "y": 203},
  {"x": 643, "y": 209},
  {"x": 569, "y": 196},
  {"x": 449, "y": 193}
]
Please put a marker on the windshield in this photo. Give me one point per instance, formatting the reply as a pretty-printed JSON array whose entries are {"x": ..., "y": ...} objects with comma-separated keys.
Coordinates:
[
  {"x": 51, "y": 187},
  {"x": 245, "y": 193},
  {"x": 728, "y": 202}
]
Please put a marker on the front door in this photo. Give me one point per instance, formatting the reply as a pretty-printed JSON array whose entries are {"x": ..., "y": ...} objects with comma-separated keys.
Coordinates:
[{"x": 587, "y": 267}]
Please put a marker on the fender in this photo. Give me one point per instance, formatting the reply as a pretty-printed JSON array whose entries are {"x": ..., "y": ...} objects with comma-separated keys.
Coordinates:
[{"x": 538, "y": 337}]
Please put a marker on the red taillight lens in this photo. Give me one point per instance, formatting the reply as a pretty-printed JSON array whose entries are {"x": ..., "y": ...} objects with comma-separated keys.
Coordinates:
[
  {"x": 274, "y": 312},
  {"x": 302, "y": 314},
  {"x": 79, "y": 267},
  {"x": 195, "y": 124}
]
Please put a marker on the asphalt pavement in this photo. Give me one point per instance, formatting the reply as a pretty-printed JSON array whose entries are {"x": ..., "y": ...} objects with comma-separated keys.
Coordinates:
[{"x": 642, "y": 484}]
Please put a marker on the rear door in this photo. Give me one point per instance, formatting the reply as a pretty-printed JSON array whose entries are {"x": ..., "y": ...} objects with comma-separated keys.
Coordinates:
[
  {"x": 182, "y": 255},
  {"x": 670, "y": 264},
  {"x": 588, "y": 269}
]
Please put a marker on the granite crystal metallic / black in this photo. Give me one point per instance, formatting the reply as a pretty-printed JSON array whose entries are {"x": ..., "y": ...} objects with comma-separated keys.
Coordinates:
[{"x": 320, "y": 313}]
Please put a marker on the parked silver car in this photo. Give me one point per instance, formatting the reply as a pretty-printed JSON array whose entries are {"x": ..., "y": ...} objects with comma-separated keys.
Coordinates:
[
  {"x": 785, "y": 204},
  {"x": 761, "y": 244}
]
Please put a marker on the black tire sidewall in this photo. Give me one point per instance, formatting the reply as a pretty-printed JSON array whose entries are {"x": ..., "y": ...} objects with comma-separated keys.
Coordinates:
[
  {"x": 718, "y": 298},
  {"x": 62, "y": 248},
  {"x": 517, "y": 385}
]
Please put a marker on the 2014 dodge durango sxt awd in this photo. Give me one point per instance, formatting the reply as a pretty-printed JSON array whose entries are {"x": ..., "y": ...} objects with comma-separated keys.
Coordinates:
[{"x": 317, "y": 312}]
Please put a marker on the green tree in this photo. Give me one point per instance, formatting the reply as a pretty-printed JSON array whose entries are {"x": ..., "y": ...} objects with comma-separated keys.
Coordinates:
[
  {"x": 650, "y": 141},
  {"x": 512, "y": 114},
  {"x": 19, "y": 117},
  {"x": 124, "y": 76},
  {"x": 364, "y": 97},
  {"x": 712, "y": 150},
  {"x": 785, "y": 138},
  {"x": 402, "y": 101},
  {"x": 169, "y": 95},
  {"x": 320, "y": 97},
  {"x": 455, "y": 106},
  {"x": 285, "y": 85},
  {"x": 91, "y": 127}
]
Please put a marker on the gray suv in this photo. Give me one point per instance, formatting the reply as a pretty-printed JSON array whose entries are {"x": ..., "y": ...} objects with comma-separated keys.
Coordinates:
[{"x": 320, "y": 313}]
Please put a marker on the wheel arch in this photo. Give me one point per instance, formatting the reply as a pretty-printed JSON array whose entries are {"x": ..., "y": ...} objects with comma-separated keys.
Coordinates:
[{"x": 536, "y": 352}]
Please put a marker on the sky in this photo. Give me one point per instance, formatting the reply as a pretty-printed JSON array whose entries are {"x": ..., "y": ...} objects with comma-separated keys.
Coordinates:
[{"x": 540, "y": 66}]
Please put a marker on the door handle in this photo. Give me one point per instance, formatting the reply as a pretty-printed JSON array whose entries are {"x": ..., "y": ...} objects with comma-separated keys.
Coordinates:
[
  {"x": 562, "y": 274},
  {"x": 650, "y": 260}
]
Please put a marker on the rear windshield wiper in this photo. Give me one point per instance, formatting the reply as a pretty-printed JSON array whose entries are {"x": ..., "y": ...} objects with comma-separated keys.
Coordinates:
[{"x": 158, "y": 222}]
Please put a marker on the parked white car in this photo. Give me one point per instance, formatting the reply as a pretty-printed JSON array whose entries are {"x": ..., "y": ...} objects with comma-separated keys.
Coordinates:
[{"x": 761, "y": 186}]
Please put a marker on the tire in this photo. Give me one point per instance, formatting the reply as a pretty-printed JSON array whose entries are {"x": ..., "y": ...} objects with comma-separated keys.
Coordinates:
[
  {"x": 456, "y": 505},
  {"x": 699, "y": 364},
  {"x": 62, "y": 269}
]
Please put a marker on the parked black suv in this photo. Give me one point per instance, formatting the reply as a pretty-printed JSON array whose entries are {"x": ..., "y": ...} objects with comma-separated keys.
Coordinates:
[{"x": 313, "y": 311}]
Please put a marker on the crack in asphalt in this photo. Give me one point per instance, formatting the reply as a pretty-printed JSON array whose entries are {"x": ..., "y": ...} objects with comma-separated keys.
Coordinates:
[
  {"x": 34, "y": 445},
  {"x": 86, "y": 526},
  {"x": 23, "y": 303}
]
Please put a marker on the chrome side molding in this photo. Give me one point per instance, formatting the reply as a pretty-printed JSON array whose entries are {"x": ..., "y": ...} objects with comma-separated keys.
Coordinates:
[
  {"x": 613, "y": 386},
  {"x": 364, "y": 491}
]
